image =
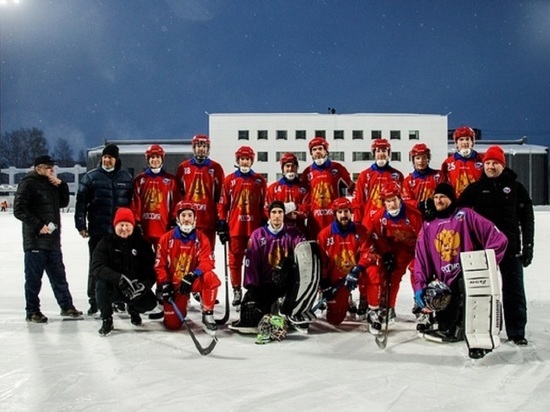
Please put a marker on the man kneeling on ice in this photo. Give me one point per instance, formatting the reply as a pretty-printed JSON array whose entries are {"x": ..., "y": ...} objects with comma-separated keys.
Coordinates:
[
  {"x": 440, "y": 242},
  {"x": 278, "y": 264}
]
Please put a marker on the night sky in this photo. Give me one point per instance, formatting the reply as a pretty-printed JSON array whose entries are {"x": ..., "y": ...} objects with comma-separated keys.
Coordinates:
[{"x": 88, "y": 70}]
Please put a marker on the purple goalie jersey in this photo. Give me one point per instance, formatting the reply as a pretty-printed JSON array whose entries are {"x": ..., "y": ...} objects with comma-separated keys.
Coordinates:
[{"x": 265, "y": 250}]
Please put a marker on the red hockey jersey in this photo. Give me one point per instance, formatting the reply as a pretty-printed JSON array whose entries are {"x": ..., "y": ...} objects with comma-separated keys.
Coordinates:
[
  {"x": 419, "y": 186},
  {"x": 201, "y": 185},
  {"x": 459, "y": 171},
  {"x": 242, "y": 202},
  {"x": 153, "y": 202}
]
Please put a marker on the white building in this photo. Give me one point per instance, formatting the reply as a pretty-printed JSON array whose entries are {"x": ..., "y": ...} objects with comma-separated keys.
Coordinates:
[{"x": 349, "y": 136}]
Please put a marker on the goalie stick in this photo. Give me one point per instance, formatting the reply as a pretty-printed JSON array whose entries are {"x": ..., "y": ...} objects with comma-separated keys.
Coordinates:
[
  {"x": 202, "y": 350},
  {"x": 223, "y": 320}
]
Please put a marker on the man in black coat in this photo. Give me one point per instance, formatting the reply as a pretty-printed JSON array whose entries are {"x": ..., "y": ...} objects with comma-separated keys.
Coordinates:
[
  {"x": 101, "y": 191},
  {"x": 503, "y": 200},
  {"x": 123, "y": 266},
  {"x": 39, "y": 198}
]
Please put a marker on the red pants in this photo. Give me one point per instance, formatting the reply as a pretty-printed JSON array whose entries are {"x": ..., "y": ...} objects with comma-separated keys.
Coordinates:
[
  {"x": 207, "y": 285},
  {"x": 237, "y": 247}
]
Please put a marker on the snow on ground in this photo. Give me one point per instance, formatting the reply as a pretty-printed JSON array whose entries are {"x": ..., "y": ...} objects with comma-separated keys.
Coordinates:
[{"x": 67, "y": 366}]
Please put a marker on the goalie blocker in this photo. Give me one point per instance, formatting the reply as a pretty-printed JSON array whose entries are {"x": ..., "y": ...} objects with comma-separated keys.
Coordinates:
[{"x": 483, "y": 309}]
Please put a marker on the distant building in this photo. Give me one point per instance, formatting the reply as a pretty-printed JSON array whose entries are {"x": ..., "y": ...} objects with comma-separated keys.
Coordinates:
[{"x": 349, "y": 136}]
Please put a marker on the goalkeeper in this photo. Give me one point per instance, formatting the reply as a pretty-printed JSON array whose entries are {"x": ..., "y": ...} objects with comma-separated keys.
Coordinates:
[{"x": 123, "y": 266}]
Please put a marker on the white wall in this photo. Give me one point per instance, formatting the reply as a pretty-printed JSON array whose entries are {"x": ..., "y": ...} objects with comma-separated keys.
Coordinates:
[{"x": 223, "y": 131}]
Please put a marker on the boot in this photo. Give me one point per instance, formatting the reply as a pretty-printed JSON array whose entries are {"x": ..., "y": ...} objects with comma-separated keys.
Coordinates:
[
  {"x": 135, "y": 318},
  {"x": 106, "y": 326},
  {"x": 424, "y": 322},
  {"x": 237, "y": 296},
  {"x": 362, "y": 309},
  {"x": 210, "y": 324},
  {"x": 373, "y": 319},
  {"x": 37, "y": 317}
]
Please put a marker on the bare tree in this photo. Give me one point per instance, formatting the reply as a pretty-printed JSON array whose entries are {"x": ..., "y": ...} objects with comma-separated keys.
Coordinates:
[
  {"x": 20, "y": 147},
  {"x": 63, "y": 153}
]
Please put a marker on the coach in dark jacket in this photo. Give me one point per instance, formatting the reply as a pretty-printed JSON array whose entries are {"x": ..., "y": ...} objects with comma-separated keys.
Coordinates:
[
  {"x": 503, "y": 200},
  {"x": 101, "y": 191},
  {"x": 123, "y": 266},
  {"x": 40, "y": 196}
]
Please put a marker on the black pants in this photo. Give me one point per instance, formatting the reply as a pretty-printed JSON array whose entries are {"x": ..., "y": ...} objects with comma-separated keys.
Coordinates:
[
  {"x": 513, "y": 296},
  {"x": 92, "y": 243},
  {"x": 107, "y": 293},
  {"x": 452, "y": 317}
]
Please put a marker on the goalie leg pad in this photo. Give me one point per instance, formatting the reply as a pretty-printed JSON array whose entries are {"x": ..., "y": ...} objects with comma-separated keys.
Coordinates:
[
  {"x": 303, "y": 281},
  {"x": 483, "y": 309}
]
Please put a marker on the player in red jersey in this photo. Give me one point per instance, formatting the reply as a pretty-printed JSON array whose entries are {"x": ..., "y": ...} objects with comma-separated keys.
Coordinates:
[
  {"x": 466, "y": 165},
  {"x": 200, "y": 182},
  {"x": 327, "y": 180},
  {"x": 371, "y": 180},
  {"x": 394, "y": 230},
  {"x": 291, "y": 191},
  {"x": 185, "y": 264},
  {"x": 347, "y": 260},
  {"x": 155, "y": 196},
  {"x": 419, "y": 185},
  {"x": 240, "y": 211}
]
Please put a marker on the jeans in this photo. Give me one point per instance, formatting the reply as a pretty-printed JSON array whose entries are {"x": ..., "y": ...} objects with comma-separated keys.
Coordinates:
[{"x": 51, "y": 261}]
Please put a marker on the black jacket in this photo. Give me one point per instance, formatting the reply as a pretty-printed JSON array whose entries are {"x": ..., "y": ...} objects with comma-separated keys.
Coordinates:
[
  {"x": 132, "y": 257},
  {"x": 100, "y": 194},
  {"x": 37, "y": 202},
  {"x": 505, "y": 202}
]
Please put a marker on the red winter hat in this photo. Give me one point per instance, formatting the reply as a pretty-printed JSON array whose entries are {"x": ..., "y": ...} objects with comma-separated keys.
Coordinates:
[
  {"x": 124, "y": 214},
  {"x": 495, "y": 153}
]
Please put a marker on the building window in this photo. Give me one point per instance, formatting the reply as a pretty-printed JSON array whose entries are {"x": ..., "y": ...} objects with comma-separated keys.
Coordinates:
[
  {"x": 361, "y": 156},
  {"x": 265, "y": 175},
  {"x": 321, "y": 133},
  {"x": 262, "y": 134},
  {"x": 262, "y": 156},
  {"x": 357, "y": 134},
  {"x": 300, "y": 134},
  {"x": 395, "y": 134},
  {"x": 338, "y": 135},
  {"x": 396, "y": 156},
  {"x": 414, "y": 135},
  {"x": 281, "y": 135},
  {"x": 376, "y": 134},
  {"x": 355, "y": 176},
  {"x": 339, "y": 156},
  {"x": 243, "y": 135},
  {"x": 301, "y": 156}
]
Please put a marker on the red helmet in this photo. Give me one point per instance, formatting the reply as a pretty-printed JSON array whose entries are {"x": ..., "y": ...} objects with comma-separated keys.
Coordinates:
[
  {"x": 289, "y": 158},
  {"x": 464, "y": 131},
  {"x": 184, "y": 205},
  {"x": 244, "y": 151},
  {"x": 154, "y": 149},
  {"x": 340, "y": 204},
  {"x": 420, "y": 149},
  {"x": 318, "y": 141},
  {"x": 200, "y": 138},
  {"x": 390, "y": 189},
  {"x": 380, "y": 144}
]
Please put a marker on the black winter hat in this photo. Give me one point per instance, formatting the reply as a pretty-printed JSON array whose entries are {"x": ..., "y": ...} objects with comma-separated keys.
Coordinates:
[
  {"x": 276, "y": 203},
  {"x": 447, "y": 190},
  {"x": 111, "y": 150},
  {"x": 44, "y": 160}
]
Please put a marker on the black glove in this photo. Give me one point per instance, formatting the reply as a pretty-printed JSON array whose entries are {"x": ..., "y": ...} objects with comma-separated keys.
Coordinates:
[
  {"x": 389, "y": 261},
  {"x": 223, "y": 231},
  {"x": 167, "y": 292},
  {"x": 427, "y": 208},
  {"x": 131, "y": 289},
  {"x": 327, "y": 290},
  {"x": 352, "y": 277},
  {"x": 187, "y": 283},
  {"x": 527, "y": 255}
]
